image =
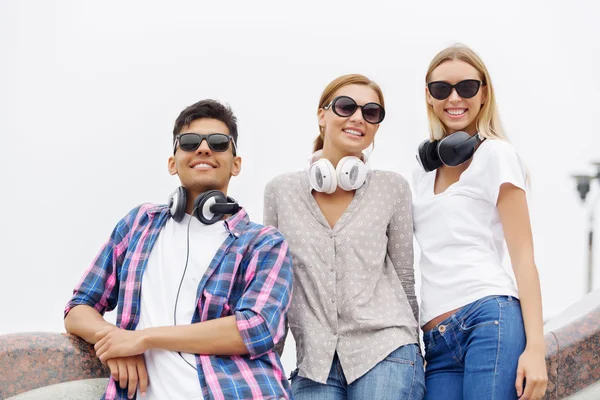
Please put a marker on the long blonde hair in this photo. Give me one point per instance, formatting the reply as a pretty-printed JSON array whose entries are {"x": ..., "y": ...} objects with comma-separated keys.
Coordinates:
[
  {"x": 488, "y": 119},
  {"x": 333, "y": 87}
]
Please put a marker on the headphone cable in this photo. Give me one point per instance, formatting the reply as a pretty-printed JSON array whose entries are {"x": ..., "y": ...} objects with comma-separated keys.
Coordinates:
[{"x": 187, "y": 256}]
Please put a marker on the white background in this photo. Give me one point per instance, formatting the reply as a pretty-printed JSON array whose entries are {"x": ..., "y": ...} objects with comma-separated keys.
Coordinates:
[{"x": 89, "y": 92}]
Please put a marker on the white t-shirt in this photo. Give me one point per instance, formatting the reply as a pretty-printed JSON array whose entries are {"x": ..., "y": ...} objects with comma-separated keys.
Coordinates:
[
  {"x": 460, "y": 233},
  {"x": 169, "y": 375}
]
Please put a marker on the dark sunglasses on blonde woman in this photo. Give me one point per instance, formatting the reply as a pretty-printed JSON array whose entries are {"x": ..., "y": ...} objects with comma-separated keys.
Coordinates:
[{"x": 466, "y": 89}]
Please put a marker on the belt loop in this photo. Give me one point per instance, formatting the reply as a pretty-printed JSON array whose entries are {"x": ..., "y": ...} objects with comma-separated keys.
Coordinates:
[{"x": 430, "y": 335}]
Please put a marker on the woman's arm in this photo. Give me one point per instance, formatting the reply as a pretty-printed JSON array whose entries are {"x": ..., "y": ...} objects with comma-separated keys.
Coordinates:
[
  {"x": 514, "y": 215},
  {"x": 400, "y": 244}
]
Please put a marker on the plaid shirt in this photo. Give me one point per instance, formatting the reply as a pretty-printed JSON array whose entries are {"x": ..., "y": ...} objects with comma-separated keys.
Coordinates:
[{"x": 249, "y": 277}]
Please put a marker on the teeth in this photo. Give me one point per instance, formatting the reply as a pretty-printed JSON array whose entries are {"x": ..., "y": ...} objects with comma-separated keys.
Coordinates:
[
  {"x": 456, "y": 112},
  {"x": 202, "y": 166},
  {"x": 353, "y": 132}
]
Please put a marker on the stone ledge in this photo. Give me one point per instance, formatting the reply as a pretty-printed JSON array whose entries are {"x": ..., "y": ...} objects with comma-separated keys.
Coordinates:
[
  {"x": 32, "y": 360},
  {"x": 573, "y": 348},
  {"x": 75, "y": 390}
]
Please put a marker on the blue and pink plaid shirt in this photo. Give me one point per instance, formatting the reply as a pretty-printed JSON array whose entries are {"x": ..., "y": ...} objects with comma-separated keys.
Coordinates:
[{"x": 250, "y": 277}]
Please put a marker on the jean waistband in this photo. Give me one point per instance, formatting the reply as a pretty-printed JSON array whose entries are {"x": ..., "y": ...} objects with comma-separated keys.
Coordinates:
[{"x": 462, "y": 313}]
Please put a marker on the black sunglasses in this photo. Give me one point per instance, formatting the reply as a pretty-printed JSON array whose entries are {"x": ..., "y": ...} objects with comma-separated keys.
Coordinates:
[
  {"x": 466, "y": 89},
  {"x": 345, "y": 106},
  {"x": 218, "y": 142}
]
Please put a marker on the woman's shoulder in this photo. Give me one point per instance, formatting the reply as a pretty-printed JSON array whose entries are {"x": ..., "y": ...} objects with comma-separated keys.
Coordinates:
[
  {"x": 498, "y": 153},
  {"x": 288, "y": 179},
  {"x": 497, "y": 148},
  {"x": 390, "y": 178}
]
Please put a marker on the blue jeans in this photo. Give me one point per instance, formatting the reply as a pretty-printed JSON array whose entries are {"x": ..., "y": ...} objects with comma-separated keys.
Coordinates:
[
  {"x": 473, "y": 354},
  {"x": 399, "y": 376}
]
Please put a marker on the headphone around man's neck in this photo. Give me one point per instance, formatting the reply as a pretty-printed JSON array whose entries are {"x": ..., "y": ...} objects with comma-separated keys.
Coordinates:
[{"x": 209, "y": 207}]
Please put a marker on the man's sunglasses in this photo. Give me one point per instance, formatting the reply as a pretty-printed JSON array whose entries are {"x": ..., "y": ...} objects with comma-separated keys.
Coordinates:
[
  {"x": 218, "y": 142},
  {"x": 466, "y": 89},
  {"x": 345, "y": 106}
]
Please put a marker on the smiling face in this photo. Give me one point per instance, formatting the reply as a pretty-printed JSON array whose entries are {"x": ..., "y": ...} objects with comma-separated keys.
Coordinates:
[
  {"x": 349, "y": 135},
  {"x": 204, "y": 169},
  {"x": 455, "y": 112}
]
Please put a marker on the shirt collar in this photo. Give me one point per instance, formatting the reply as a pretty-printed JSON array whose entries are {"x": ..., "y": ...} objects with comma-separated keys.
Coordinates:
[{"x": 237, "y": 222}]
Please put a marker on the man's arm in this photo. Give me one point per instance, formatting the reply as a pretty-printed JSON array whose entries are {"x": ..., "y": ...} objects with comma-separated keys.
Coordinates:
[
  {"x": 257, "y": 325},
  {"x": 97, "y": 293},
  {"x": 84, "y": 321},
  {"x": 129, "y": 372},
  {"x": 215, "y": 337},
  {"x": 98, "y": 290},
  {"x": 270, "y": 217}
]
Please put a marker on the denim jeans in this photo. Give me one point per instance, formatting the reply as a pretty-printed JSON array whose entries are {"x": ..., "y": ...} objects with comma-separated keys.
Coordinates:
[
  {"x": 399, "y": 376},
  {"x": 473, "y": 354}
]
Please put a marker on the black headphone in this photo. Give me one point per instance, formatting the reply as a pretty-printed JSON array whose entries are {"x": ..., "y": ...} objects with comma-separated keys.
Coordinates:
[
  {"x": 452, "y": 150},
  {"x": 209, "y": 207}
]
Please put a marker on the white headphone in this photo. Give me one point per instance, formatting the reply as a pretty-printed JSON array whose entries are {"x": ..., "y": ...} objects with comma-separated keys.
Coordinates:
[{"x": 350, "y": 174}]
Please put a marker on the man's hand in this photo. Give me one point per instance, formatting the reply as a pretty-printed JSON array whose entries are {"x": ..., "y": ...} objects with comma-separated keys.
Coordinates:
[
  {"x": 129, "y": 372},
  {"x": 113, "y": 342}
]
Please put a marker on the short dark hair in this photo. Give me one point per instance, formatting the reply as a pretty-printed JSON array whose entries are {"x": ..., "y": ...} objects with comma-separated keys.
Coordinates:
[{"x": 207, "y": 109}]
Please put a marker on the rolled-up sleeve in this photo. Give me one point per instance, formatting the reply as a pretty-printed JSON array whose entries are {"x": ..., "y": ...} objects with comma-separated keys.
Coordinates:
[
  {"x": 99, "y": 286},
  {"x": 261, "y": 310}
]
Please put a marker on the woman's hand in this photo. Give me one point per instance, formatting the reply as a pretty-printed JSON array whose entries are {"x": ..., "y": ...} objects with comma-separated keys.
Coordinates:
[{"x": 532, "y": 369}]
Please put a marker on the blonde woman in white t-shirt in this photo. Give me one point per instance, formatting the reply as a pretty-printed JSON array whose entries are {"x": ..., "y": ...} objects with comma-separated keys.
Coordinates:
[{"x": 482, "y": 330}]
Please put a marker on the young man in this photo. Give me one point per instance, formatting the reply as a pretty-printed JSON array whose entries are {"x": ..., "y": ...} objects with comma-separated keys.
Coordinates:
[{"x": 201, "y": 300}]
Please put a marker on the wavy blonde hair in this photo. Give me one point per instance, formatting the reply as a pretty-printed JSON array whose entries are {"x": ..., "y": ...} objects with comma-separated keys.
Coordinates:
[
  {"x": 333, "y": 87},
  {"x": 488, "y": 119}
]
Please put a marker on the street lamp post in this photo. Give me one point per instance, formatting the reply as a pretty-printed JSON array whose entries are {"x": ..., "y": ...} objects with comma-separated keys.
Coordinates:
[{"x": 583, "y": 187}]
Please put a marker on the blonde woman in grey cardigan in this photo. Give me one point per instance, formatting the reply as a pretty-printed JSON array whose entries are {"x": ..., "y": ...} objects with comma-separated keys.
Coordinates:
[{"x": 354, "y": 312}]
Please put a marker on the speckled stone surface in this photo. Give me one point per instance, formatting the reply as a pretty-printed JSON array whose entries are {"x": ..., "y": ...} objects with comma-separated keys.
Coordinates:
[
  {"x": 32, "y": 360},
  {"x": 551, "y": 366},
  {"x": 577, "y": 355}
]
